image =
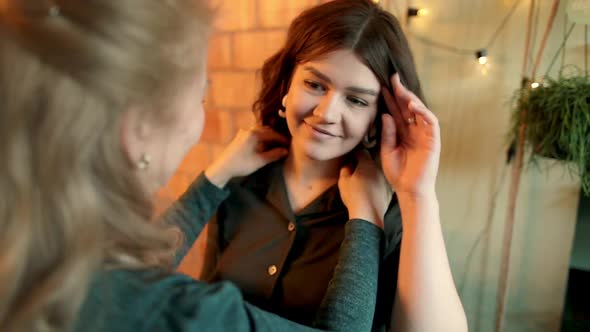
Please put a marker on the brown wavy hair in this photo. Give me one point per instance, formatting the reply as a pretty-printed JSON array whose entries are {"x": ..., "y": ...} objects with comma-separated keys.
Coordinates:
[
  {"x": 372, "y": 33},
  {"x": 71, "y": 202}
]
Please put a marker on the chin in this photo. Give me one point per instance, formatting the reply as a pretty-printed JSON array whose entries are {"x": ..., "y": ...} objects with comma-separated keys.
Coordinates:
[{"x": 319, "y": 154}]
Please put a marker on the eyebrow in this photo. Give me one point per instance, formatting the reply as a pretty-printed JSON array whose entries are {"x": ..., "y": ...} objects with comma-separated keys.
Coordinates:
[{"x": 324, "y": 77}]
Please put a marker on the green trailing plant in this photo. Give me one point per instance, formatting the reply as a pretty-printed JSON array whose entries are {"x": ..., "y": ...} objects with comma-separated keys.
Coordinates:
[{"x": 557, "y": 122}]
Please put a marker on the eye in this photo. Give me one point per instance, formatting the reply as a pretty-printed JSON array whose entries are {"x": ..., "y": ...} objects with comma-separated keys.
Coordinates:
[
  {"x": 357, "y": 101},
  {"x": 315, "y": 86}
]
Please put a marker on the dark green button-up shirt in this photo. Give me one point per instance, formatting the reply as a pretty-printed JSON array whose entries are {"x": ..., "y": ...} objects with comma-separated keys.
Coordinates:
[
  {"x": 283, "y": 261},
  {"x": 155, "y": 301}
]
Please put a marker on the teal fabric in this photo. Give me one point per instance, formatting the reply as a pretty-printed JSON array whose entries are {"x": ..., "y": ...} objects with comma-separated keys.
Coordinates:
[{"x": 124, "y": 301}]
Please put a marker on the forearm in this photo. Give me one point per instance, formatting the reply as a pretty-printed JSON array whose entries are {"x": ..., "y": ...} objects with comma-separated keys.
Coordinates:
[
  {"x": 193, "y": 210},
  {"x": 426, "y": 297},
  {"x": 349, "y": 303}
]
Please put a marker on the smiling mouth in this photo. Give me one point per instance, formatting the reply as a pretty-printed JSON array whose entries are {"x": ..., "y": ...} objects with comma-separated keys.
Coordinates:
[{"x": 319, "y": 130}]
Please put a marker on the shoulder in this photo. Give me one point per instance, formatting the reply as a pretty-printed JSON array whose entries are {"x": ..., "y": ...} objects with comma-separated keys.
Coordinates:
[
  {"x": 257, "y": 182},
  {"x": 134, "y": 301}
]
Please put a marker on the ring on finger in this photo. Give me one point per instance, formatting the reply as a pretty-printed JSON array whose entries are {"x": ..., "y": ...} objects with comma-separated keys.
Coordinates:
[{"x": 411, "y": 120}]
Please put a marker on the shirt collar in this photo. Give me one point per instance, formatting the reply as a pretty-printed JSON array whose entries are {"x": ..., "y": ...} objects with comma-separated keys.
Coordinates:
[{"x": 328, "y": 202}]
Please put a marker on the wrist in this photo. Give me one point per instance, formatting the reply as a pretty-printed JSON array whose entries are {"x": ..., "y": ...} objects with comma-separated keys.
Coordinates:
[
  {"x": 217, "y": 175},
  {"x": 422, "y": 197},
  {"x": 367, "y": 215},
  {"x": 417, "y": 203}
]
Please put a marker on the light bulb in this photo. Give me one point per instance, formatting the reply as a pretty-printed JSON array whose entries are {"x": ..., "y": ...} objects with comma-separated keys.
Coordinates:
[
  {"x": 482, "y": 56},
  {"x": 423, "y": 12},
  {"x": 535, "y": 85},
  {"x": 413, "y": 11}
]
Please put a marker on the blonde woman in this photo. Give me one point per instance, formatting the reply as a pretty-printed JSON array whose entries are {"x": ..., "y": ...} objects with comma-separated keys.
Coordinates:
[{"x": 99, "y": 102}]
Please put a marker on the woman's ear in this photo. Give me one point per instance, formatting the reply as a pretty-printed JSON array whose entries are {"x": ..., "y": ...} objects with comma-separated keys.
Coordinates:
[{"x": 134, "y": 135}]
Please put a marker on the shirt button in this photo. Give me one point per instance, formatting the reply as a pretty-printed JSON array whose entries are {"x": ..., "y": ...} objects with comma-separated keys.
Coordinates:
[
  {"x": 272, "y": 270},
  {"x": 291, "y": 227}
]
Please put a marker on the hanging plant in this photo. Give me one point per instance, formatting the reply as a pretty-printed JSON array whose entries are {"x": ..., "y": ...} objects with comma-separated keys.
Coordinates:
[{"x": 557, "y": 122}]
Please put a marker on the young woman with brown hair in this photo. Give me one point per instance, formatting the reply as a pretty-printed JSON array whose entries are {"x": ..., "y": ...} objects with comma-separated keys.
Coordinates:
[{"x": 278, "y": 234}]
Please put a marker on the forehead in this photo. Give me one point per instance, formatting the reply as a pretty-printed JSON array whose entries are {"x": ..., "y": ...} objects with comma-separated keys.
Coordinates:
[{"x": 343, "y": 68}]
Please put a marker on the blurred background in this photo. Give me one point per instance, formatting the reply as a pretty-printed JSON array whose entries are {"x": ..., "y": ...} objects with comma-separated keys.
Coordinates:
[{"x": 474, "y": 100}]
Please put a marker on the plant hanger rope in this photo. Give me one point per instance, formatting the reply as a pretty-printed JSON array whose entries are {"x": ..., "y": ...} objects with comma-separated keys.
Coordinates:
[
  {"x": 527, "y": 44},
  {"x": 561, "y": 47},
  {"x": 515, "y": 181},
  {"x": 586, "y": 49}
]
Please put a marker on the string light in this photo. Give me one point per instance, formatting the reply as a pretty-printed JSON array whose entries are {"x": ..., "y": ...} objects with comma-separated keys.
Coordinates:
[
  {"x": 423, "y": 12},
  {"x": 413, "y": 12},
  {"x": 535, "y": 85},
  {"x": 482, "y": 56}
]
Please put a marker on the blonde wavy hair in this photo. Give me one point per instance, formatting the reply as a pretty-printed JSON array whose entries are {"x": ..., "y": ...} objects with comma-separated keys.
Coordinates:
[{"x": 71, "y": 203}]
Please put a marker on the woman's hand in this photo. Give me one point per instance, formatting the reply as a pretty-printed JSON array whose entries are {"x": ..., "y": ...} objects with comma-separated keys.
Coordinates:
[
  {"x": 410, "y": 163},
  {"x": 249, "y": 151},
  {"x": 364, "y": 190}
]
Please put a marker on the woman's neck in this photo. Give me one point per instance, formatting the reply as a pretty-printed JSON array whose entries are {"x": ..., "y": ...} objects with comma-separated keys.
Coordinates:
[{"x": 302, "y": 170}]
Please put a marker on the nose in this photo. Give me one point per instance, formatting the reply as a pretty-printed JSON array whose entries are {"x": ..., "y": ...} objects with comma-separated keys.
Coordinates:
[{"x": 328, "y": 109}]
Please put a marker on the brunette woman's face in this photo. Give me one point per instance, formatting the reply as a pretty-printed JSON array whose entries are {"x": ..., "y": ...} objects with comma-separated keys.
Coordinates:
[{"x": 331, "y": 104}]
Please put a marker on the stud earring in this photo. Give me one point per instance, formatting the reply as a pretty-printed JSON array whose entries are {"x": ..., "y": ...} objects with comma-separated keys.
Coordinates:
[
  {"x": 144, "y": 161},
  {"x": 370, "y": 139}
]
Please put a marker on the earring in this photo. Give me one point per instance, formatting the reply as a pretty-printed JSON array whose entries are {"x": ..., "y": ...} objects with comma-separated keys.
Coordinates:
[
  {"x": 144, "y": 161},
  {"x": 369, "y": 141},
  {"x": 281, "y": 110}
]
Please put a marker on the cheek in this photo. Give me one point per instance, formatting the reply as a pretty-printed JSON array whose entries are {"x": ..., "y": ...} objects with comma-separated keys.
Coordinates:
[
  {"x": 357, "y": 125},
  {"x": 299, "y": 106},
  {"x": 199, "y": 123},
  {"x": 185, "y": 134}
]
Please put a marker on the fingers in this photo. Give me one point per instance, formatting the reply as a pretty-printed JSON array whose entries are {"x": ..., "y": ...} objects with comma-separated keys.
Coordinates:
[
  {"x": 273, "y": 155},
  {"x": 406, "y": 98},
  {"x": 346, "y": 171},
  {"x": 404, "y": 95},
  {"x": 359, "y": 158},
  {"x": 388, "y": 133},
  {"x": 267, "y": 134},
  {"x": 266, "y": 138},
  {"x": 426, "y": 114},
  {"x": 400, "y": 122},
  {"x": 426, "y": 120}
]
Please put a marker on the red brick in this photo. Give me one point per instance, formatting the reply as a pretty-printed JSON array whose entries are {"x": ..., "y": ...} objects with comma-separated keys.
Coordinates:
[
  {"x": 234, "y": 15},
  {"x": 233, "y": 89},
  {"x": 218, "y": 126},
  {"x": 195, "y": 161},
  {"x": 219, "y": 51},
  {"x": 244, "y": 119},
  {"x": 277, "y": 14},
  {"x": 251, "y": 49},
  {"x": 208, "y": 102},
  {"x": 217, "y": 149}
]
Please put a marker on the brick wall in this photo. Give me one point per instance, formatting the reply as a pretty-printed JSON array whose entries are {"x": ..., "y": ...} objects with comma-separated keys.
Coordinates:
[{"x": 246, "y": 33}]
